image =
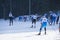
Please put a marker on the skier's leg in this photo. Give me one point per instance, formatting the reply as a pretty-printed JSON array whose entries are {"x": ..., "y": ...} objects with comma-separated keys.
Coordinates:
[
  {"x": 32, "y": 24},
  {"x": 12, "y": 21},
  {"x": 45, "y": 30},
  {"x": 40, "y": 31},
  {"x": 9, "y": 21},
  {"x": 49, "y": 22},
  {"x": 35, "y": 24},
  {"x": 54, "y": 21}
]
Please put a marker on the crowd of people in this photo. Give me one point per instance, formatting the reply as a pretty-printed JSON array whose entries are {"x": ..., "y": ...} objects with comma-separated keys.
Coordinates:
[{"x": 51, "y": 19}]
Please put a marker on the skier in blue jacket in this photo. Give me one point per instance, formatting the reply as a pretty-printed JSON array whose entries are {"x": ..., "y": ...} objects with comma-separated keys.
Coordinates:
[{"x": 43, "y": 24}]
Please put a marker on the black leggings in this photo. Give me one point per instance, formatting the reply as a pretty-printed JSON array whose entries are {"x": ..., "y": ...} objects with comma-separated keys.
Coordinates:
[{"x": 11, "y": 20}]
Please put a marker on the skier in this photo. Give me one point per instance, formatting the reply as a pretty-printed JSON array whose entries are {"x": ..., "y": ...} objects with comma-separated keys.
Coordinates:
[
  {"x": 54, "y": 18},
  {"x": 34, "y": 17},
  {"x": 11, "y": 19},
  {"x": 51, "y": 18},
  {"x": 43, "y": 24},
  {"x": 25, "y": 18}
]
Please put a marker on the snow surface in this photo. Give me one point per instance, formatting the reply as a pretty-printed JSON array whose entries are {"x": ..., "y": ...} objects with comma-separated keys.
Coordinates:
[{"x": 22, "y": 31}]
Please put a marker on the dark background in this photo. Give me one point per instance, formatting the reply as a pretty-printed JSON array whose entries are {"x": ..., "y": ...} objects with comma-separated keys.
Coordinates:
[{"x": 21, "y": 7}]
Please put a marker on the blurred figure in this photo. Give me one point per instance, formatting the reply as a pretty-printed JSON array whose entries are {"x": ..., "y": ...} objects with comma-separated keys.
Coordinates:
[
  {"x": 25, "y": 18},
  {"x": 57, "y": 20},
  {"x": 54, "y": 18},
  {"x": 11, "y": 19},
  {"x": 20, "y": 18},
  {"x": 34, "y": 17},
  {"x": 43, "y": 24},
  {"x": 51, "y": 17}
]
